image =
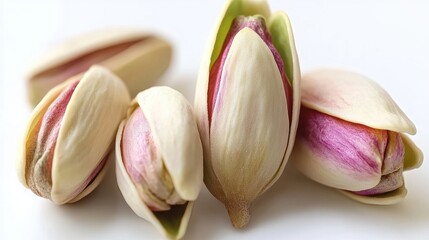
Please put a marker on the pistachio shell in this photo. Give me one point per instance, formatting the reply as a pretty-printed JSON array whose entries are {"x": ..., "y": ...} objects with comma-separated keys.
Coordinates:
[
  {"x": 281, "y": 29},
  {"x": 282, "y": 38},
  {"x": 35, "y": 117},
  {"x": 87, "y": 130},
  {"x": 176, "y": 136},
  {"x": 358, "y": 101},
  {"x": 137, "y": 57},
  {"x": 413, "y": 155},
  {"x": 233, "y": 9},
  {"x": 96, "y": 181},
  {"x": 250, "y": 148},
  {"x": 335, "y": 92},
  {"x": 388, "y": 198},
  {"x": 313, "y": 165},
  {"x": 182, "y": 158},
  {"x": 174, "y": 226}
]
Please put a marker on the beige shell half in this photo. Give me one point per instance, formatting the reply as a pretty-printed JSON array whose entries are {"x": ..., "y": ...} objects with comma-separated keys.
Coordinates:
[
  {"x": 139, "y": 59},
  {"x": 354, "y": 98},
  {"x": 88, "y": 128},
  {"x": 389, "y": 198},
  {"x": 175, "y": 134}
]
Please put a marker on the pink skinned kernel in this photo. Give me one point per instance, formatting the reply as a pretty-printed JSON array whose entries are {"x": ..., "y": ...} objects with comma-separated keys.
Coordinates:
[
  {"x": 143, "y": 162},
  {"x": 360, "y": 150},
  {"x": 138, "y": 148},
  {"x": 348, "y": 146},
  {"x": 47, "y": 136}
]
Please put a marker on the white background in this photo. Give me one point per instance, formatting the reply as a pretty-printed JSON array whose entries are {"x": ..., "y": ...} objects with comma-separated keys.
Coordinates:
[{"x": 385, "y": 40}]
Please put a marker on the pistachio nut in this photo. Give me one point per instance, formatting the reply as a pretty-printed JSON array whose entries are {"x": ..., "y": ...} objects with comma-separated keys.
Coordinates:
[
  {"x": 351, "y": 136},
  {"x": 247, "y": 104},
  {"x": 137, "y": 57},
  {"x": 159, "y": 159},
  {"x": 70, "y": 134}
]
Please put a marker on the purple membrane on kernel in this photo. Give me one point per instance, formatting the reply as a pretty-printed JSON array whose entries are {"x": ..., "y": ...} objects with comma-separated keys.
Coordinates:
[
  {"x": 144, "y": 164},
  {"x": 388, "y": 183},
  {"x": 355, "y": 148},
  {"x": 39, "y": 171},
  {"x": 392, "y": 168},
  {"x": 257, "y": 24},
  {"x": 347, "y": 145}
]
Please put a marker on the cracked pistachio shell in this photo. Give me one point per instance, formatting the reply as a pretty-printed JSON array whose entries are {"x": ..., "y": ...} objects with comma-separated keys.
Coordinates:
[
  {"x": 175, "y": 135},
  {"x": 248, "y": 142},
  {"x": 86, "y": 133},
  {"x": 358, "y": 100},
  {"x": 137, "y": 57}
]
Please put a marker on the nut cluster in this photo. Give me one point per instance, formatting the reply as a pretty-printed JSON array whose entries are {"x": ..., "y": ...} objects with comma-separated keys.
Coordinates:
[{"x": 252, "y": 113}]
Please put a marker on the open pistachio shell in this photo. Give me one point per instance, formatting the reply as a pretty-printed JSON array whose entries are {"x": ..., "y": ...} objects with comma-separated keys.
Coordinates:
[
  {"x": 87, "y": 130},
  {"x": 282, "y": 38},
  {"x": 176, "y": 137},
  {"x": 137, "y": 57},
  {"x": 361, "y": 102},
  {"x": 244, "y": 174}
]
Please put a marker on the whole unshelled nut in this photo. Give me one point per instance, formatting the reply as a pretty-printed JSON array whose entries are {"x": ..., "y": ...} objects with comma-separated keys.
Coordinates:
[
  {"x": 66, "y": 146},
  {"x": 139, "y": 58},
  {"x": 247, "y": 104},
  {"x": 159, "y": 159},
  {"x": 351, "y": 137}
]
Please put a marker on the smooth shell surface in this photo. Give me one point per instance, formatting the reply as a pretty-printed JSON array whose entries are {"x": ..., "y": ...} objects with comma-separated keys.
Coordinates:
[
  {"x": 247, "y": 150},
  {"x": 354, "y": 98}
]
